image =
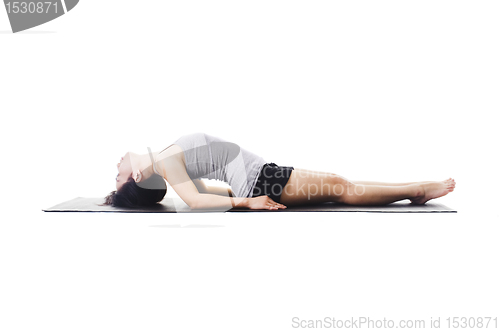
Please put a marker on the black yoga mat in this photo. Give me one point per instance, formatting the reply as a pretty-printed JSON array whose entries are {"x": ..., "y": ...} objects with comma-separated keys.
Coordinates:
[{"x": 176, "y": 205}]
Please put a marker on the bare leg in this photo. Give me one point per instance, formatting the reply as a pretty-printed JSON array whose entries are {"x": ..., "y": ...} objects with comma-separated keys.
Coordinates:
[
  {"x": 373, "y": 183},
  {"x": 309, "y": 187}
]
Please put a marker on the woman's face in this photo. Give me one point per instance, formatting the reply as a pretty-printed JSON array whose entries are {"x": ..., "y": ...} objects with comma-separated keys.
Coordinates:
[{"x": 124, "y": 169}]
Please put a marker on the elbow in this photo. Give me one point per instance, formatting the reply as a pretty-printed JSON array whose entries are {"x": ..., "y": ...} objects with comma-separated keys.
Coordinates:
[{"x": 195, "y": 203}]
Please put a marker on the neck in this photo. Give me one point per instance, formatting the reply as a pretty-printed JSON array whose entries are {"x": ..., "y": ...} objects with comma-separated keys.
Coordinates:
[{"x": 144, "y": 164}]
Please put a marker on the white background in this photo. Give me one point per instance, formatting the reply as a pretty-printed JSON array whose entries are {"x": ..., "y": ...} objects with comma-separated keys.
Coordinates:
[{"x": 371, "y": 90}]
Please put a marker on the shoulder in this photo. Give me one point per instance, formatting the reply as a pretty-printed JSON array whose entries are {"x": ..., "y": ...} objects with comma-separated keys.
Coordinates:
[
  {"x": 173, "y": 153},
  {"x": 170, "y": 161}
]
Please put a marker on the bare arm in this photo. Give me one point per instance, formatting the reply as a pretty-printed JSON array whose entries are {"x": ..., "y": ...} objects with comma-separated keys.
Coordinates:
[
  {"x": 208, "y": 193},
  {"x": 172, "y": 168},
  {"x": 215, "y": 190}
]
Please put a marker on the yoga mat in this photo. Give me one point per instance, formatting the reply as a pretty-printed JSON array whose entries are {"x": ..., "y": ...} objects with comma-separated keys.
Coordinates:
[{"x": 176, "y": 205}]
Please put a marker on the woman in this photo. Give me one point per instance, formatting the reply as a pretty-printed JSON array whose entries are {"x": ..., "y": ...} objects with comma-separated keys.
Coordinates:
[{"x": 254, "y": 183}]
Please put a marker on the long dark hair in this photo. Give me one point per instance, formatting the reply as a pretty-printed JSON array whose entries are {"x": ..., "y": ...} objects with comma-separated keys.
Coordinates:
[{"x": 133, "y": 195}]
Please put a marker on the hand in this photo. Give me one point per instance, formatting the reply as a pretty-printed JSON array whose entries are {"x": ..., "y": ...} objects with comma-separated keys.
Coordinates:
[{"x": 264, "y": 202}]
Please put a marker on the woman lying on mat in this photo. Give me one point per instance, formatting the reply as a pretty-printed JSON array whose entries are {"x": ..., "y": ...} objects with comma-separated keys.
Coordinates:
[{"x": 254, "y": 183}]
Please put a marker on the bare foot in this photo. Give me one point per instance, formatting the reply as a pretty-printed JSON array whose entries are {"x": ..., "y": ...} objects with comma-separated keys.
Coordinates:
[{"x": 431, "y": 190}]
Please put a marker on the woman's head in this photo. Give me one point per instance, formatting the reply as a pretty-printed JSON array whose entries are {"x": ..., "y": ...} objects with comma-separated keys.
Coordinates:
[
  {"x": 136, "y": 184},
  {"x": 127, "y": 167},
  {"x": 136, "y": 194}
]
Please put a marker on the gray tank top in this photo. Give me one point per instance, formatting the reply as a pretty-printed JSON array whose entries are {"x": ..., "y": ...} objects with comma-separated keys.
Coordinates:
[{"x": 214, "y": 158}]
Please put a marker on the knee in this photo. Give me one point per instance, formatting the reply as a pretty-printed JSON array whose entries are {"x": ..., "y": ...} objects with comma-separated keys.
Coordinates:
[
  {"x": 341, "y": 189},
  {"x": 349, "y": 194},
  {"x": 354, "y": 194}
]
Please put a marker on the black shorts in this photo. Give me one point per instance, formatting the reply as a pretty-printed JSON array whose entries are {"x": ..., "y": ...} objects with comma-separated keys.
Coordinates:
[{"x": 272, "y": 180}]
